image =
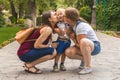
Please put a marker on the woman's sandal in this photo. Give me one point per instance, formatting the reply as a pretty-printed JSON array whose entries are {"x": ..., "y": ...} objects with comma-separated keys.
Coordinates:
[{"x": 33, "y": 70}]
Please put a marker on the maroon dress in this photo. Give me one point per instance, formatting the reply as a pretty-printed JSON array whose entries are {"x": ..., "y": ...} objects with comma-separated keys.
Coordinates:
[{"x": 28, "y": 45}]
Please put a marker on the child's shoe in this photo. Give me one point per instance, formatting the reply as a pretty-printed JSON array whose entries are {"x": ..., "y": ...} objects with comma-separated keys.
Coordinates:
[
  {"x": 62, "y": 67},
  {"x": 55, "y": 68}
]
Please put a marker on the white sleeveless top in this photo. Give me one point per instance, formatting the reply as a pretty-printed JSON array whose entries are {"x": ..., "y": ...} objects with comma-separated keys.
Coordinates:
[{"x": 85, "y": 28}]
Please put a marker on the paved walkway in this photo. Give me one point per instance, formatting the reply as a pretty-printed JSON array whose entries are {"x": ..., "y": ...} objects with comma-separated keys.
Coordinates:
[{"x": 106, "y": 65}]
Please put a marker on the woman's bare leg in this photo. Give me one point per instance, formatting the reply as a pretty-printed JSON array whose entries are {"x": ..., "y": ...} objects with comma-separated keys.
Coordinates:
[
  {"x": 43, "y": 59},
  {"x": 73, "y": 53},
  {"x": 86, "y": 47}
]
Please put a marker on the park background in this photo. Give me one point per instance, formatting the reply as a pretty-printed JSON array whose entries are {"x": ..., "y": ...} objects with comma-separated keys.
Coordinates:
[{"x": 103, "y": 15}]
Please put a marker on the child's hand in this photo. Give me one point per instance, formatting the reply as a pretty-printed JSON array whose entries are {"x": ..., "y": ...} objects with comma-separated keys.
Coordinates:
[
  {"x": 62, "y": 33},
  {"x": 72, "y": 36},
  {"x": 54, "y": 44}
]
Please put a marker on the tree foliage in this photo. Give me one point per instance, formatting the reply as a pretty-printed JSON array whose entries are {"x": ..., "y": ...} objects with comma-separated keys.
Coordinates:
[
  {"x": 85, "y": 12},
  {"x": 108, "y": 15},
  {"x": 84, "y": 6},
  {"x": 113, "y": 16}
]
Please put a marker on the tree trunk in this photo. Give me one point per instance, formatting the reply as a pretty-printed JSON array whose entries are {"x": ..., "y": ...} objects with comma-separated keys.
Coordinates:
[
  {"x": 14, "y": 13},
  {"x": 21, "y": 10},
  {"x": 32, "y": 10},
  {"x": 93, "y": 20}
]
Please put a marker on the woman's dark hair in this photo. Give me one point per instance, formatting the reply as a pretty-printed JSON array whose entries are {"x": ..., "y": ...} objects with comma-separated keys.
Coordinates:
[
  {"x": 73, "y": 14},
  {"x": 45, "y": 18}
]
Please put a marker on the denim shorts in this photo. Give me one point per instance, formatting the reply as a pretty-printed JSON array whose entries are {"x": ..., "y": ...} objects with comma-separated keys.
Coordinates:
[
  {"x": 34, "y": 54},
  {"x": 62, "y": 46},
  {"x": 97, "y": 48}
]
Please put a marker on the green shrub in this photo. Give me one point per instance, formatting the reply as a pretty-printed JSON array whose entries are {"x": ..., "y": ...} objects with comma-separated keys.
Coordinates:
[
  {"x": 2, "y": 20},
  {"x": 99, "y": 16},
  {"x": 85, "y": 12},
  {"x": 39, "y": 20},
  {"x": 111, "y": 33},
  {"x": 112, "y": 16},
  {"x": 13, "y": 19},
  {"x": 20, "y": 21}
]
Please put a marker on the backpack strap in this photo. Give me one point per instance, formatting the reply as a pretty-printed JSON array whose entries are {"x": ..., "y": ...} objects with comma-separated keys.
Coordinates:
[
  {"x": 30, "y": 40},
  {"x": 78, "y": 22}
]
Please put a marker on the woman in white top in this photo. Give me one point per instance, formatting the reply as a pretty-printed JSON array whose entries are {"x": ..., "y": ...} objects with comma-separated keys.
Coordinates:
[{"x": 86, "y": 44}]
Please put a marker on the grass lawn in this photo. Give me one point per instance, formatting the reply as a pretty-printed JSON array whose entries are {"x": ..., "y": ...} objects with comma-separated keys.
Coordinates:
[{"x": 8, "y": 33}]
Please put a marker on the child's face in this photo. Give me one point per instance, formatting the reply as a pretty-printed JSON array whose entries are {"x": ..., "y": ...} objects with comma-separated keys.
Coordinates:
[{"x": 60, "y": 14}]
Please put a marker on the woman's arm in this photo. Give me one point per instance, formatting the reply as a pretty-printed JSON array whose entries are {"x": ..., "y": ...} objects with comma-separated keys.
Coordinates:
[{"x": 45, "y": 32}]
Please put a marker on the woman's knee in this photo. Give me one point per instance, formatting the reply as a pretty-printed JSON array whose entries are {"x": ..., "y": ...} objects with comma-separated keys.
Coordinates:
[
  {"x": 83, "y": 42},
  {"x": 86, "y": 43},
  {"x": 67, "y": 51},
  {"x": 70, "y": 52}
]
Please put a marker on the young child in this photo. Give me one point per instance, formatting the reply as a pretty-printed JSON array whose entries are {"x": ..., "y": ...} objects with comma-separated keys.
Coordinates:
[{"x": 63, "y": 40}]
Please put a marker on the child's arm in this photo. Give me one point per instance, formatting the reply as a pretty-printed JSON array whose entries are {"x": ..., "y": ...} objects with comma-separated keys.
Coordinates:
[
  {"x": 72, "y": 36},
  {"x": 58, "y": 31}
]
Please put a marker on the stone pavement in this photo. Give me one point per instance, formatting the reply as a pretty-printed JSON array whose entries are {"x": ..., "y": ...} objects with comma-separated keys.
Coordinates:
[{"x": 106, "y": 65}]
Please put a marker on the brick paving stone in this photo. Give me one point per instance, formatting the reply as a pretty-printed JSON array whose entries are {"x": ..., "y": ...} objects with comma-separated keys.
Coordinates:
[{"x": 106, "y": 65}]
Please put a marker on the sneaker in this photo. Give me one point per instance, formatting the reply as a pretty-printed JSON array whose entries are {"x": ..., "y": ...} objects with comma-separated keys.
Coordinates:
[
  {"x": 85, "y": 71},
  {"x": 82, "y": 65},
  {"x": 62, "y": 67},
  {"x": 55, "y": 68}
]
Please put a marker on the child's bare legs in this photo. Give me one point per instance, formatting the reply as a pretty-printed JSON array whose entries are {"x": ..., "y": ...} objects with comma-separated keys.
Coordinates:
[
  {"x": 62, "y": 67},
  {"x": 55, "y": 67},
  {"x": 63, "y": 58},
  {"x": 57, "y": 58}
]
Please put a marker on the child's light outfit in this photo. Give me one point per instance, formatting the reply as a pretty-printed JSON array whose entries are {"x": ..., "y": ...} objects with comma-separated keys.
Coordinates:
[{"x": 63, "y": 40}]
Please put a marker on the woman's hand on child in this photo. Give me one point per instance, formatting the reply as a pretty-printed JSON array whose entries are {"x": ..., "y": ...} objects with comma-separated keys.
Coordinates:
[{"x": 54, "y": 44}]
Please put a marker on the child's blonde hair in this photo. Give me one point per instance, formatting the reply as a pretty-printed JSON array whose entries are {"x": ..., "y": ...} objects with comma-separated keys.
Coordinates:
[{"x": 60, "y": 9}]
